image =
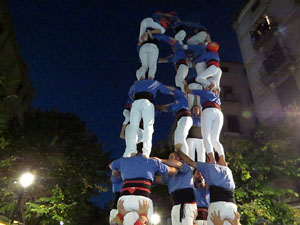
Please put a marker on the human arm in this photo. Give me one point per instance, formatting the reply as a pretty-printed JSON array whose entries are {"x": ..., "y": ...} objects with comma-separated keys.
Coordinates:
[
  {"x": 122, "y": 133},
  {"x": 164, "y": 108},
  {"x": 184, "y": 157},
  {"x": 167, "y": 59}
]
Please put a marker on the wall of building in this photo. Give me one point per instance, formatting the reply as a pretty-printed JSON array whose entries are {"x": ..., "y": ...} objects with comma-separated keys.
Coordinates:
[{"x": 272, "y": 58}]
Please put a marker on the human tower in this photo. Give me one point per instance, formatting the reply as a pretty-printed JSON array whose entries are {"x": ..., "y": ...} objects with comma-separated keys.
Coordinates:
[{"x": 205, "y": 194}]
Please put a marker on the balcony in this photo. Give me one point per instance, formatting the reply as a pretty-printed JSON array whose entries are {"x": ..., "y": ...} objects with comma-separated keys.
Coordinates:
[
  {"x": 276, "y": 64},
  {"x": 262, "y": 31}
]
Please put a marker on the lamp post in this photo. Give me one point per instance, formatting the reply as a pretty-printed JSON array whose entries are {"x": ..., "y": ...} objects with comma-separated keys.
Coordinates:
[{"x": 25, "y": 180}]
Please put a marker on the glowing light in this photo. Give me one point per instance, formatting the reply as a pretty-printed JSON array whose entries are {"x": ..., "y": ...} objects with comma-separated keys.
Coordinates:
[
  {"x": 247, "y": 114},
  {"x": 26, "y": 179},
  {"x": 267, "y": 19},
  {"x": 155, "y": 219},
  {"x": 61, "y": 222}
]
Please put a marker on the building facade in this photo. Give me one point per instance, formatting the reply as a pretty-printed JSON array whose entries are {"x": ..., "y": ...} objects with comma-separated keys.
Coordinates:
[{"x": 268, "y": 36}]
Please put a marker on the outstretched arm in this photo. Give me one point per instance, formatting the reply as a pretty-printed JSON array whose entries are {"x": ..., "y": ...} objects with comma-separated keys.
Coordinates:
[{"x": 184, "y": 157}]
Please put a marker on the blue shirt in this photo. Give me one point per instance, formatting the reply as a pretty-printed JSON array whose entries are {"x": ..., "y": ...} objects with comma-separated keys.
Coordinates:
[
  {"x": 207, "y": 96},
  {"x": 179, "y": 53},
  {"x": 183, "y": 179},
  {"x": 196, "y": 121},
  {"x": 202, "y": 197},
  {"x": 117, "y": 183},
  {"x": 198, "y": 50},
  {"x": 207, "y": 56},
  {"x": 164, "y": 38},
  {"x": 216, "y": 175},
  {"x": 139, "y": 167},
  {"x": 180, "y": 102},
  {"x": 147, "y": 85},
  {"x": 191, "y": 75}
]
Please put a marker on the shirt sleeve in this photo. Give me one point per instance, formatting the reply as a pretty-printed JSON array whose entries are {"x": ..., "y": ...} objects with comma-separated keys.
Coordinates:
[
  {"x": 185, "y": 168},
  {"x": 116, "y": 165},
  {"x": 164, "y": 38},
  {"x": 201, "y": 93},
  {"x": 161, "y": 168},
  {"x": 163, "y": 89}
]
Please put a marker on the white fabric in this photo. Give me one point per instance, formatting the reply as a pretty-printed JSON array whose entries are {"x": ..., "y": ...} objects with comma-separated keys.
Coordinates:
[
  {"x": 138, "y": 138},
  {"x": 196, "y": 144},
  {"x": 126, "y": 114},
  {"x": 149, "y": 23},
  {"x": 131, "y": 204},
  {"x": 194, "y": 99},
  {"x": 211, "y": 126},
  {"x": 197, "y": 38},
  {"x": 180, "y": 36},
  {"x": 113, "y": 213},
  {"x": 148, "y": 55},
  {"x": 182, "y": 130},
  {"x": 200, "y": 67},
  {"x": 130, "y": 218},
  {"x": 226, "y": 211},
  {"x": 181, "y": 74},
  {"x": 190, "y": 211},
  {"x": 211, "y": 74},
  {"x": 141, "y": 108},
  {"x": 201, "y": 222}
]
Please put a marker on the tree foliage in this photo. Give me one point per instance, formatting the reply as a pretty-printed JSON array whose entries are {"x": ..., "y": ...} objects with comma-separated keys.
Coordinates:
[
  {"x": 66, "y": 159},
  {"x": 265, "y": 168}
]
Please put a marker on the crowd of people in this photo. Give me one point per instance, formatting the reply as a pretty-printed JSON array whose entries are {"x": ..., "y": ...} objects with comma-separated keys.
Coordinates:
[{"x": 202, "y": 187}]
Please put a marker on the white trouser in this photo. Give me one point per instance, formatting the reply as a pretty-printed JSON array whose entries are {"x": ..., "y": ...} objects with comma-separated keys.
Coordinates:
[
  {"x": 213, "y": 73},
  {"x": 201, "y": 222},
  {"x": 148, "y": 55},
  {"x": 181, "y": 74},
  {"x": 182, "y": 130},
  {"x": 196, "y": 144},
  {"x": 149, "y": 23},
  {"x": 131, "y": 204},
  {"x": 141, "y": 108},
  {"x": 200, "y": 67},
  {"x": 211, "y": 125},
  {"x": 197, "y": 38},
  {"x": 189, "y": 213},
  {"x": 194, "y": 99},
  {"x": 138, "y": 138},
  {"x": 113, "y": 213},
  {"x": 226, "y": 211}
]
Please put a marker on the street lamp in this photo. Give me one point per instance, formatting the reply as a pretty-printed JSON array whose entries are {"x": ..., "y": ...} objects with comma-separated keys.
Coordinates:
[
  {"x": 25, "y": 180},
  {"x": 155, "y": 219}
]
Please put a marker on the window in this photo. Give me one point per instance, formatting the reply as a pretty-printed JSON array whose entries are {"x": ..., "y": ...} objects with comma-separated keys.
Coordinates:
[
  {"x": 228, "y": 94},
  {"x": 233, "y": 123},
  {"x": 262, "y": 29},
  {"x": 288, "y": 94}
]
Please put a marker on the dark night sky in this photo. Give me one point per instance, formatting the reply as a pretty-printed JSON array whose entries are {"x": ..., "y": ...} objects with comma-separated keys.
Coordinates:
[{"x": 82, "y": 57}]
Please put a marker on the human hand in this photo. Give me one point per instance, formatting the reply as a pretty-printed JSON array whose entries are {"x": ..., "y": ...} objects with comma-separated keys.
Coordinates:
[
  {"x": 143, "y": 208},
  {"x": 211, "y": 86},
  {"x": 156, "y": 158},
  {"x": 120, "y": 207},
  {"x": 178, "y": 147},
  {"x": 216, "y": 218},
  {"x": 236, "y": 220}
]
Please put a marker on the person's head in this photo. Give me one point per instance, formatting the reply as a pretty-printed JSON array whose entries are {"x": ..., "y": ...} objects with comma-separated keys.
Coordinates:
[
  {"x": 198, "y": 179},
  {"x": 143, "y": 220},
  {"x": 174, "y": 156},
  {"x": 212, "y": 46},
  {"x": 196, "y": 110}
]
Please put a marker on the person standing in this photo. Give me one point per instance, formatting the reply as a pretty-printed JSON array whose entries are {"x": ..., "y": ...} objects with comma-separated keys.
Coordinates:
[
  {"x": 221, "y": 187},
  {"x": 183, "y": 117},
  {"x": 194, "y": 138},
  {"x": 141, "y": 96},
  {"x": 137, "y": 173},
  {"x": 211, "y": 121}
]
